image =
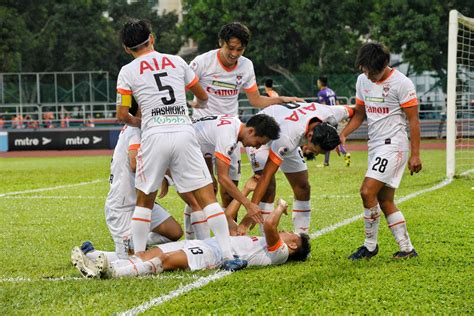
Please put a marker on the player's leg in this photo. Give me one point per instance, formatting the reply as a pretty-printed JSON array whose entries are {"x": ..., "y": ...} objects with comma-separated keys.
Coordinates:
[
  {"x": 190, "y": 174},
  {"x": 197, "y": 223},
  {"x": 164, "y": 228},
  {"x": 395, "y": 219},
  {"x": 296, "y": 171},
  {"x": 326, "y": 158},
  {"x": 153, "y": 160}
]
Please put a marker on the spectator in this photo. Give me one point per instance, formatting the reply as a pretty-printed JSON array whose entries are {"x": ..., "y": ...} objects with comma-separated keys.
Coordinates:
[
  {"x": 48, "y": 118},
  {"x": 269, "y": 92},
  {"x": 30, "y": 122},
  {"x": 65, "y": 118},
  {"x": 89, "y": 122},
  {"x": 2, "y": 122},
  {"x": 18, "y": 122}
]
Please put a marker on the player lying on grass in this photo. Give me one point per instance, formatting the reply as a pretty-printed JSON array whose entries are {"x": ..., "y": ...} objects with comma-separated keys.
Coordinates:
[
  {"x": 274, "y": 248},
  {"x": 300, "y": 123},
  {"x": 120, "y": 202}
]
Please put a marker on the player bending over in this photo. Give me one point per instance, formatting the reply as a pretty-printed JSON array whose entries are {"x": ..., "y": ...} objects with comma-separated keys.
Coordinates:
[{"x": 275, "y": 248}]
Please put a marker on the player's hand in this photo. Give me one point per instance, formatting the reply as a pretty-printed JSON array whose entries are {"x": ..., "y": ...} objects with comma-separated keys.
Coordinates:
[
  {"x": 254, "y": 212},
  {"x": 343, "y": 139},
  {"x": 242, "y": 230},
  {"x": 291, "y": 99},
  {"x": 414, "y": 164},
  {"x": 251, "y": 183}
]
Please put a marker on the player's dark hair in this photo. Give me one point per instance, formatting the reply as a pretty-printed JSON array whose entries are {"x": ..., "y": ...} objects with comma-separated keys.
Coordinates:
[
  {"x": 309, "y": 156},
  {"x": 325, "y": 135},
  {"x": 264, "y": 125},
  {"x": 134, "y": 108},
  {"x": 237, "y": 30},
  {"x": 323, "y": 80},
  {"x": 135, "y": 33},
  {"x": 372, "y": 56},
  {"x": 269, "y": 83},
  {"x": 302, "y": 252}
]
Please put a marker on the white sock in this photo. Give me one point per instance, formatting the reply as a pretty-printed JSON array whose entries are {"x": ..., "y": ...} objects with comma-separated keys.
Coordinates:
[
  {"x": 267, "y": 209},
  {"x": 301, "y": 216},
  {"x": 156, "y": 239},
  {"x": 188, "y": 229},
  {"x": 111, "y": 256},
  {"x": 136, "y": 267},
  {"x": 141, "y": 220},
  {"x": 200, "y": 226},
  {"x": 396, "y": 223},
  {"x": 371, "y": 222},
  {"x": 218, "y": 223}
]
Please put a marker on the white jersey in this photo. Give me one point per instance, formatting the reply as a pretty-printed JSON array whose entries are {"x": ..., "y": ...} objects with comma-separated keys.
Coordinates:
[
  {"x": 294, "y": 119},
  {"x": 222, "y": 84},
  {"x": 158, "y": 82},
  {"x": 256, "y": 252},
  {"x": 383, "y": 102},
  {"x": 122, "y": 195},
  {"x": 218, "y": 136}
]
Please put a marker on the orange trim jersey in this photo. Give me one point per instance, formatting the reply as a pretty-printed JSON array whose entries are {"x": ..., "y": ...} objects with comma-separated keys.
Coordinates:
[
  {"x": 122, "y": 194},
  {"x": 383, "y": 103},
  {"x": 294, "y": 119},
  {"x": 157, "y": 82},
  {"x": 256, "y": 251},
  {"x": 217, "y": 135},
  {"x": 222, "y": 84}
]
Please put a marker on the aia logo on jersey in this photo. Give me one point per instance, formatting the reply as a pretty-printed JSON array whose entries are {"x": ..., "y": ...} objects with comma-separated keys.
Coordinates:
[
  {"x": 238, "y": 79},
  {"x": 282, "y": 151},
  {"x": 386, "y": 89}
]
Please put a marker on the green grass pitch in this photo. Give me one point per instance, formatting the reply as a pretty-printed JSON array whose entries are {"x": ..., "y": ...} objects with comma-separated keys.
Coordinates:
[{"x": 39, "y": 229}]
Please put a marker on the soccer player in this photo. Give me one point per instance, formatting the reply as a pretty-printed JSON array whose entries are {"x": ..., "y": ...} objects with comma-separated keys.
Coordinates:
[
  {"x": 300, "y": 123},
  {"x": 269, "y": 92},
  {"x": 158, "y": 82},
  {"x": 224, "y": 73},
  {"x": 327, "y": 96},
  {"x": 274, "y": 248},
  {"x": 387, "y": 98},
  {"x": 121, "y": 199}
]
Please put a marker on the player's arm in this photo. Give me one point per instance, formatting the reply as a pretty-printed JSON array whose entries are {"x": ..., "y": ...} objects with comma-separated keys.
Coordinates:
[
  {"x": 225, "y": 181},
  {"x": 260, "y": 101},
  {"x": 270, "y": 227},
  {"x": 201, "y": 95},
  {"x": 414, "y": 163},
  {"x": 124, "y": 102},
  {"x": 356, "y": 120},
  {"x": 132, "y": 156},
  {"x": 233, "y": 208}
]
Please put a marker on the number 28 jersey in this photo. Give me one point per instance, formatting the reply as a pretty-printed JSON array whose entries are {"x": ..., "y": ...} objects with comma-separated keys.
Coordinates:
[{"x": 158, "y": 82}]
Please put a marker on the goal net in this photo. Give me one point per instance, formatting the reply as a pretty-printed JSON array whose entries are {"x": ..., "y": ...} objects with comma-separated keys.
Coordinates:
[{"x": 460, "y": 102}]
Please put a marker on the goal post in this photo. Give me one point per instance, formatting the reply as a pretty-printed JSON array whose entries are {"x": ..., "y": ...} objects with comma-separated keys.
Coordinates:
[{"x": 460, "y": 96}]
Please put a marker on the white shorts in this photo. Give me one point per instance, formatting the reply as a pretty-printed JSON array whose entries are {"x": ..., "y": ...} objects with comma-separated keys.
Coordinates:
[
  {"x": 293, "y": 162},
  {"x": 119, "y": 224},
  {"x": 177, "y": 151},
  {"x": 201, "y": 254},
  {"x": 387, "y": 166}
]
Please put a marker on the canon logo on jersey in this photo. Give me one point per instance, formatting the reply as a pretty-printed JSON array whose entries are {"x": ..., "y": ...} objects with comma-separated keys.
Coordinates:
[
  {"x": 222, "y": 92},
  {"x": 27, "y": 142},
  {"x": 378, "y": 110},
  {"x": 78, "y": 141}
]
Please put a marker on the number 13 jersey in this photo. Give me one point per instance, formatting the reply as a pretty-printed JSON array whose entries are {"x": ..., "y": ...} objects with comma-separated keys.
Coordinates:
[{"x": 158, "y": 83}]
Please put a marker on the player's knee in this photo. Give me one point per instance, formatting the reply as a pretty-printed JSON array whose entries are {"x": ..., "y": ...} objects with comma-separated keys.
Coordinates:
[
  {"x": 302, "y": 190},
  {"x": 176, "y": 233},
  {"x": 366, "y": 194}
]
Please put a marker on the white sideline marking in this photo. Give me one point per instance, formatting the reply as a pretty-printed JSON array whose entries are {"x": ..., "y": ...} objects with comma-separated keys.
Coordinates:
[
  {"x": 181, "y": 290},
  {"x": 53, "y": 197},
  {"x": 52, "y": 188},
  {"x": 218, "y": 275}
]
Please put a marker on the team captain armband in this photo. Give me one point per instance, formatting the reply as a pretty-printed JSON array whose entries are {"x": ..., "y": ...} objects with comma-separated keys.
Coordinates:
[{"x": 124, "y": 97}]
